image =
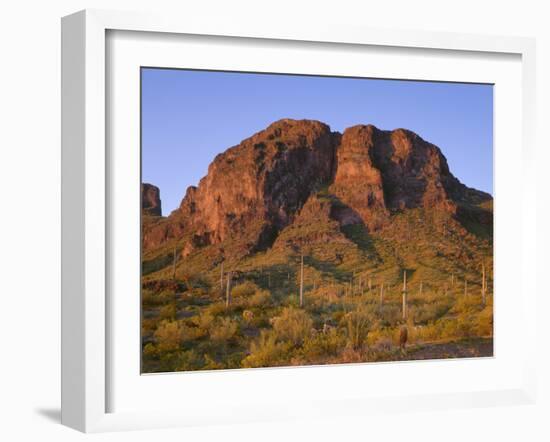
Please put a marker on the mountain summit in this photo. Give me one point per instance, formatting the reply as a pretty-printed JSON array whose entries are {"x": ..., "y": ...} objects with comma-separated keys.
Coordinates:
[{"x": 254, "y": 190}]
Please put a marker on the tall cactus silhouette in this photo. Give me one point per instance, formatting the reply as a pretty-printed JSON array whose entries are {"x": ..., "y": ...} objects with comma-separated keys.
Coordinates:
[
  {"x": 221, "y": 278},
  {"x": 302, "y": 280},
  {"x": 174, "y": 262},
  {"x": 228, "y": 290},
  {"x": 404, "y": 294},
  {"x": 483, "y": 284}
]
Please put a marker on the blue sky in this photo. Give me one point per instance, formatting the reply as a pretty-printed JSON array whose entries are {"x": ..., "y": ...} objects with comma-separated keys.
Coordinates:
[{"x": 188, "y": 117}]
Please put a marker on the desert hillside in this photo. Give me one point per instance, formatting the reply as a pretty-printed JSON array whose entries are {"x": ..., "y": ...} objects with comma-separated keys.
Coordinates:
[{"x": 307, "y": 246}]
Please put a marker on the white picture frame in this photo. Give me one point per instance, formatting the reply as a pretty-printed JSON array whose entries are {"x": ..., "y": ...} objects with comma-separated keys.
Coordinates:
[{"x": 86, "y": 352}]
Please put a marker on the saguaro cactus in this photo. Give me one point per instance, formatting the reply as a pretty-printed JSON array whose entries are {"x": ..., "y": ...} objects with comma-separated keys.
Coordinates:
[
  {"x": 483, "y": 283},
  {"x": 221, "y": 278},
  {"x": 465, "y": 287},
  {"x": 174, "y": 262},
  {"x": 301, "y": 280},
  {"x": 381, "y": 294},
  {"x": 404, "y": 294},
  {"x": 228, "y": 290}
]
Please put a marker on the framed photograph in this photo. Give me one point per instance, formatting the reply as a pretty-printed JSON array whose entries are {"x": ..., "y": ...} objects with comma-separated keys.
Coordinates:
[{"x": 271, "y": 222}]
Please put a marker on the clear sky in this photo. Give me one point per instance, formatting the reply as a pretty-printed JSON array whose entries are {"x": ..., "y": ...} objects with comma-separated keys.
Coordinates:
[{"x": 188, "y": 117}]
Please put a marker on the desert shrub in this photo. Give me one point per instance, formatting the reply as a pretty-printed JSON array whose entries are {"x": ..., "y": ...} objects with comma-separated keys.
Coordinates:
[
  {"x": 483, "y": 325},
  {"x": 148, "y": 325},
  {"x": 179, "y": 361},
  {"x": 215, "y": 309},
  {"x": 380, "y": 336},
  {"x": 292, "y": 300},
  {"x": 350, "y": 355},
  {"x": 460, "y": 327},
  {"x": 248, "y": 317},
  {"x": 468, "y": 304},
  {"x": 168, "y": 336},
  {"x": 246, "y": 288},
  {"x": 426, "y": 312},
  {"x": 465, "y": 327},
  {"x": 150, "y": 298},
  {"x": 203, "y": 321},
  {"x": 337, "y": 315},
  {"x": 190, "y": 333},
  {"x": 187, "y": 360},
  {"x": 149, "y": 351},
  {"x": 293, "y": 325},
  {"x": 430, "y": 332},
  {"x": 223, "y": 329},
  {"x": 389, "y": 315},
  {"x": 211, "y": 364},
  {"x": 198, "y": 292},
  {"x": 261, "y": 298},
  {"x": 266, "y": 351},
  {"x": 357, "y": 324},
  {"x": 322, "y": 345},
  {"x": 383, "y": 344},
  {"x": 168, "y": 311},
  {"x": 147, "y": 297}
]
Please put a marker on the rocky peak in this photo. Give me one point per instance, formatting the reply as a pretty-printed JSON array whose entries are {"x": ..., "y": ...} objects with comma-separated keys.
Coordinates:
[
  {"x": 150, "y": 200},
  {"x": 255, "y": 189}
]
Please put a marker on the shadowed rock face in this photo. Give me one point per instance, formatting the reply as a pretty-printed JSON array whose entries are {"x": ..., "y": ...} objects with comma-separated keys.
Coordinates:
[
  {"x": 253, "y": 190},
  {"x": 150, "y": 200}
]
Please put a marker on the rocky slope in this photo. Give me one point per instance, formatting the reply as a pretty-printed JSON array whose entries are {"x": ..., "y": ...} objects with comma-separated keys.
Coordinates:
[{"x": 294, "y": 171}]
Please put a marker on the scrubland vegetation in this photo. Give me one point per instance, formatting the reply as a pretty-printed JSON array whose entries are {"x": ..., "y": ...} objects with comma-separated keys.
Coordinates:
[{"x": 352, "y": 309}]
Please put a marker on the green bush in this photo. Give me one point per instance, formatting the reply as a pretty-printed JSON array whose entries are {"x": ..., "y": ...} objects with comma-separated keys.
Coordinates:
[
  {"x": 168, "y": 311},
  {"x": 321, "y": 346},
  {"x": 293, "y": 325},
  {"x": 261, "y": 298},
  {"x": 203, "y": 321},
  {"x": 187, "y": 360},
  {"x": 266, "y": 351},
  {"x": 223, "y": 329},
  {"x": 357, "y": 324},
  {"x": 168, "y": 336},
  {"x": 149, "y": 351},
  {"x": 248, "y": 317},
  {"x": 247, "y": 288}
]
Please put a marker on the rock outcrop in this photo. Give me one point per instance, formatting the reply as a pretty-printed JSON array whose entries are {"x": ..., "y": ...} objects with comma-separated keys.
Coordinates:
[
  {"x": 150, "y": 200},
  {"x": 254, "y": 190}
]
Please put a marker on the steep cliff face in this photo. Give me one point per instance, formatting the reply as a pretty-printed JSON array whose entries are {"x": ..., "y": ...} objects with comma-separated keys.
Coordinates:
[
  {"x": 358, "y": 182},
  {"x": 150, "y": 200},
  {"x": 254, "y": 190},
  {"x": 382, "y": 171}
]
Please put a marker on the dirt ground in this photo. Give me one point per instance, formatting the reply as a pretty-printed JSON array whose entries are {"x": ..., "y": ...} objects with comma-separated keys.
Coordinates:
[{"x": 471, "y": 348}]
